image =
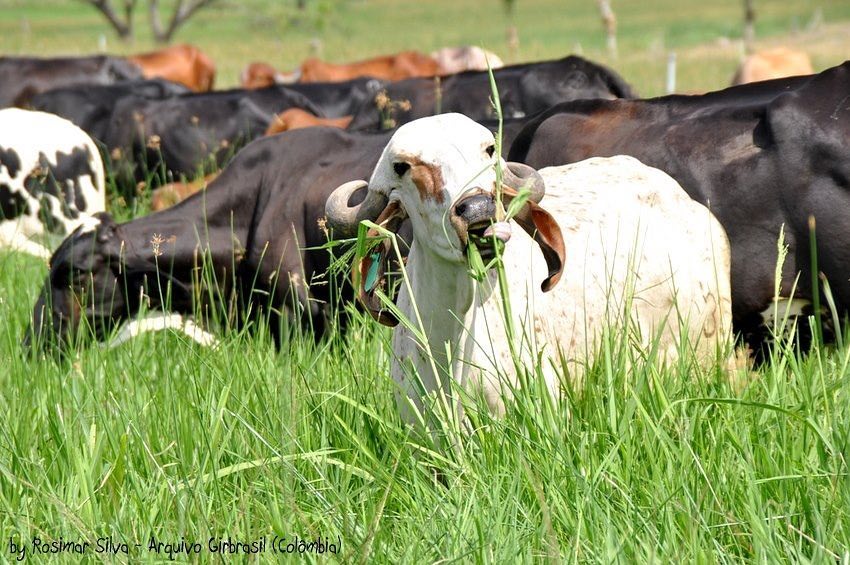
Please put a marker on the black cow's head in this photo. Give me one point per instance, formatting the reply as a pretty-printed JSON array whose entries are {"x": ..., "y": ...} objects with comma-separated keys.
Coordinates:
[
  {"x": 118, "y": 69},
  {"x": 571, "y": 78},
  {"x": 84, "y": 288}
]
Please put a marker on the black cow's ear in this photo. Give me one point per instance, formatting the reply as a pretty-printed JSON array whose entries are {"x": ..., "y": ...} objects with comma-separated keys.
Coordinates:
[
  {"x": 105, "y": 234},
  {"x": 104, "y": 217},
  {"x": 782, "y": 121},
  {"x": 106, "y": 228}
]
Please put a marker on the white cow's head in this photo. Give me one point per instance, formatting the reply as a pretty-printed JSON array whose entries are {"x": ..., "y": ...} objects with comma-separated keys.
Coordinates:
[{"x": 440, "y": 172}]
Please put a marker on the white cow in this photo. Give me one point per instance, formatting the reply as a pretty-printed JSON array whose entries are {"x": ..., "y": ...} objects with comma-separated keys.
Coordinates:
[
  {"x": 454, "y": 60},
  {"x": 615, "y": 236},
  {"x": 51, "y": 179}
]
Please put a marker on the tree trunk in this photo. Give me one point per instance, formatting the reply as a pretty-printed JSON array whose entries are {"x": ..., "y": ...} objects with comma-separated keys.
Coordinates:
[
  {"x": 182, "y": 12},
  {"x": 156, "y": 22},
  {"x": 749, "y": 24},
  {"x": 124, "y": 28},
  {"x": 129, "y": 8}
]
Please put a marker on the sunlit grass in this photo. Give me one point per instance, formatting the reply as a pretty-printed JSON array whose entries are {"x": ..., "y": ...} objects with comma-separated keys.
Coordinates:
[{"x": 160, "y": 437}]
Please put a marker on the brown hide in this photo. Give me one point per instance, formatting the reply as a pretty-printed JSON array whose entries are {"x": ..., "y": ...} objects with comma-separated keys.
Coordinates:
[
  {"x": 170, "y": 194},
  {"x": 185, "y": 64},
  {"x": 406, "y": 64},
  {"x": 296, "y": 118},
  {"x": 773, "y": 63}
]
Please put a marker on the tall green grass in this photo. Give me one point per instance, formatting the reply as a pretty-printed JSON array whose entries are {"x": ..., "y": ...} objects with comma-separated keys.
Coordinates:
[{"x": 161, "y": 438}]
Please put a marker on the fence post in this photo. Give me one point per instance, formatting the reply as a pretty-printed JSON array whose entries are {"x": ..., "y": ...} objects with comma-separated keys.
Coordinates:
[{"x": 671, "y": 73}]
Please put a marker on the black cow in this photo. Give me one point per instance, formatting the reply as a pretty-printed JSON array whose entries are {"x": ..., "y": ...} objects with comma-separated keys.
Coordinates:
[
  {"x": 184, "y": 131},
  {"x": 337, "y": 99},
  {"x": 90, "y": 106},
  {"x": 523, "y": 90},
  {"x": 21, "y": 78},
  {"x": 761, "y": 156},
  {"x": 257, "y": 223}
]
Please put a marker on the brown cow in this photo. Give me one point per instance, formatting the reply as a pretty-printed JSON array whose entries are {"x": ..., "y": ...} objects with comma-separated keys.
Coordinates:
[
  {"x": 170, "y": 194},
  {"x": 778, "y": 62},
  {"x": 407, "y": 64},
  {"x": 184, "y": 63},
  {"x": 296, "y": 118},
  {"x": 260, "y": 75}
]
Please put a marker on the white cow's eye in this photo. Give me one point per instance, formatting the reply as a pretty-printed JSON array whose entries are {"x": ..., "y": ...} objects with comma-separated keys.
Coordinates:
[
  {"x": 400, "y": 168},
  {"x": 490, "y": 150}
]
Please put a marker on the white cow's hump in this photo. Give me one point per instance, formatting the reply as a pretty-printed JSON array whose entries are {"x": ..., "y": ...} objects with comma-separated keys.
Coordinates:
[
  {"x": 621, "y": 201},
  {"x": 629, "y": 230},
  {"x": 621, "y": 181},
  {"x": 604, "y": 187}
]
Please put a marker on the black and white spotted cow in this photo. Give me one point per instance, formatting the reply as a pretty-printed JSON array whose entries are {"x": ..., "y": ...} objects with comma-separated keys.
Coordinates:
[{"x": 51, "y": 179}]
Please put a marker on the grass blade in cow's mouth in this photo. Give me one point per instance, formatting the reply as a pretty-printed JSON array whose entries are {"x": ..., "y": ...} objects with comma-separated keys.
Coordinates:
[{"x": 486, "y": 240}]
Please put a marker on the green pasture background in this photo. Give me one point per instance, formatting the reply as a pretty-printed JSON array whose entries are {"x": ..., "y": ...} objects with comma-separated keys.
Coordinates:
[{"x": 236, "y": 32}]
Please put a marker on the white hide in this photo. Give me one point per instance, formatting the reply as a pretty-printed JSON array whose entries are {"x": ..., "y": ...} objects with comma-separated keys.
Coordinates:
[
  {"x": 629, "y": 230},
  {"x": 29, "y": 134},
  {"x": 468, "y": 58}
]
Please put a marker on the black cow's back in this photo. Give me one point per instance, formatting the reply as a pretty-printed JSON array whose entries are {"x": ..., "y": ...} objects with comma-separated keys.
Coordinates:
[
  {"x": 523, "y": 90},
  {"x": 23, "y": 77},
  {"x": 90, "y": 106},
  {"x": 337, "y": 99},
  {"x": 185, "y": 131}
]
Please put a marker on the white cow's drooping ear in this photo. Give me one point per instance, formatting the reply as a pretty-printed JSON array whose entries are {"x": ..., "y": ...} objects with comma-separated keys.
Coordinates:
[
  {"x": 543, "y": 228},
  {"x": 369, "y": 274},
  {"x": 539, "y": 224}
]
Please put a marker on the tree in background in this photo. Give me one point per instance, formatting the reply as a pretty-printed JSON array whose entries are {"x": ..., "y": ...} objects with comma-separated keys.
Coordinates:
[
  {"x": 123, "y": 24},
  {"x": 749, "y": 24}
]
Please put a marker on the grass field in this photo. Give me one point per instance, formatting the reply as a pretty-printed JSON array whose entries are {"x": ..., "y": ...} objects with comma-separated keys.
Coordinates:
[
  {"x": 161, "y": 439},
  {"x": 703, "y": 34}
]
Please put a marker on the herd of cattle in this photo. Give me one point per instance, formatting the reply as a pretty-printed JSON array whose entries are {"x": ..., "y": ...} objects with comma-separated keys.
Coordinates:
[{"x": 747, "y": 165}]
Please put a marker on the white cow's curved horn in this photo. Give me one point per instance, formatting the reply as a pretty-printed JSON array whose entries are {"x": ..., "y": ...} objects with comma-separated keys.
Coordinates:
[
  {"x": 517, "y": 175},
  {"x": 343, "y": 217}
]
